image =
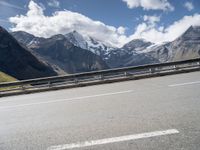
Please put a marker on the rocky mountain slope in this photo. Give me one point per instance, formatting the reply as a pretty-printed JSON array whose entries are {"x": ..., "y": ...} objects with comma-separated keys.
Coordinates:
[
  {"x": 74, "y": 52},
  {"x": 101, "y": 54},
  {"x": 128, "y": 55},
  {"x": 139, "y": 51},
  {"x": 86, "y": 42},
  {"x": 131, "y": 54},
  {"x": 187, "y": 46},
  {"x": 124, "y": 58},
  {"x": 137, "y": 45},
  {"x": 17, "y": 61},
  {"x": 61, "y": 54}
]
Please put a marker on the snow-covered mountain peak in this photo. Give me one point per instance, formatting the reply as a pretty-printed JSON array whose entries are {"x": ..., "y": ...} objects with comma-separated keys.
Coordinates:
[
  {"x": 77, "y": 39},
  {"x": 88, "y": 42},
  {"x": 191, "y": 33},
  {"x": 137, "y": 45}
]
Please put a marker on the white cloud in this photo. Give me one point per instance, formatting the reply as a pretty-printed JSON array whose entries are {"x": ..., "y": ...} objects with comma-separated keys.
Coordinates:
[
  {"x": 189, "y": 6},
  {"x": 62, "y": 22},
  {"x": 121, "y": 30},
  {"x": 150, "y": 4},
  {"x": 35, "y": 10},
  {"x": 151, "y": 19},
  {"x": 160, "y": 34},
  {"x": 54, "y": 3}
]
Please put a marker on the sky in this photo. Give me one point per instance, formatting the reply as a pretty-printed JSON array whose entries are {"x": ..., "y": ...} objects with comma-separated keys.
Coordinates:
[{"x": 114, "y": 22}]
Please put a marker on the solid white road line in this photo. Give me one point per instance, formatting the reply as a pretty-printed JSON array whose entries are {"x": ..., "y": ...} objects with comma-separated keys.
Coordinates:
[
  {"x": 113, "y": 140},
  {"x": 62, "y": 100},
  {"x": 183, "y": 84}
]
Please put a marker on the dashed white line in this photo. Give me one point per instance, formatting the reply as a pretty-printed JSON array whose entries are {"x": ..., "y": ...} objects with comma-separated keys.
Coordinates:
[
  {"x": 183, "y": 84},
  {"x": 113, "y": 140},
  {"x": 62, "y": 100}
]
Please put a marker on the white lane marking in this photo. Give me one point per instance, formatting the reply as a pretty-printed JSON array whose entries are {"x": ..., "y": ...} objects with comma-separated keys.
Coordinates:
[
  {"x": 113, "y": 140},
  {"x": 183, "y": 84},
  {"x": 62, "y": 100}
]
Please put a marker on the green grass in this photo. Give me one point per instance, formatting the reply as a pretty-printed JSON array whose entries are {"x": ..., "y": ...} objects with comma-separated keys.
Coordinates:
[{"x": 6, "y": 78}]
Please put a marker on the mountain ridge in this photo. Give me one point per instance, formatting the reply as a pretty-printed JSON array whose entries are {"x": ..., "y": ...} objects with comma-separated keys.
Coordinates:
[
  {"x": 62, "y": 55},
  {"x": 137, "y": 51},
  {"x": 17, "y": 61},
  {"x": 187, "y": 46}
]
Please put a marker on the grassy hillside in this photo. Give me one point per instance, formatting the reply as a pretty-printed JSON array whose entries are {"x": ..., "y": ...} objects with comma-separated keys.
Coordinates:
[{"x": 6, "y": 78}]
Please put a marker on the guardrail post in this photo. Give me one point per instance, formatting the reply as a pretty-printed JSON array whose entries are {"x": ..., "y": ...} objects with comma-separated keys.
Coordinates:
[
  {"x": 76, "y": 81},
  {"x": 101, "y": 77},
  {"x": 49, "y": 83},
  {"x": 23, "y": 88},
  {"x": 198, "y": 63},
  {"x": 175, "y": 68},
  {"x": 125, "y": 74},
  {"x": 155, "y": 69},
  {"x": 151, "y": 70}
]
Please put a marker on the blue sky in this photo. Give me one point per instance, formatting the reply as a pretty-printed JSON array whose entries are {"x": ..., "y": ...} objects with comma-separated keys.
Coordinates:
[{"x": 128, "y": 15}]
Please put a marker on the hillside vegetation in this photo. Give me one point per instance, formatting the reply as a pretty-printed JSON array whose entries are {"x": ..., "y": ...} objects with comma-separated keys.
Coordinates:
[{"x": 6, "y": 78}]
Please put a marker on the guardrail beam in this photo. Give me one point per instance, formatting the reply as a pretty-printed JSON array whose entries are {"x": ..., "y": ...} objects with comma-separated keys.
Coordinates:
[{"x": 111, "y": 74}]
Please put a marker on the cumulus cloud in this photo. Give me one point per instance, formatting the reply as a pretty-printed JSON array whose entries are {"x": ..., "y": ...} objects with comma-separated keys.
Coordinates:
[
  {"x": 121, "y": 30},
  {"x": 151, "y": 19},
  {"x": 159, "y": 34},
  {"x": 150, "y": 4},
  {"x": 189, "y": 6},
  {"x": 62, "y": 22},
  {"x": 54, "y": 3}
]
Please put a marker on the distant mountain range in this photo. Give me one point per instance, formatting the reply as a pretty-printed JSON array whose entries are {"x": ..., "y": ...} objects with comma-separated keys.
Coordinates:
[
  {"x": 103, "y": 56},
  {"x": 73, "y": 52},
  {"x": 61, "y": 54}
]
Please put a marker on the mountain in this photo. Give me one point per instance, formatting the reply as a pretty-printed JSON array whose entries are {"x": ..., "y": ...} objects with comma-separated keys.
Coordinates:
[
  {"x": 77, "y": 39},
  {"x": 137, "y": 45},
  {"x": 27, "y": 39},
  {"x": 128, "y": 55},
  {"x": 105, "y": 56},
  {"x": 74, "y": 52},
  {"x": 17, "y": 61},
  {"x": 131, "y": 54},
  {"x": 187, "y": 46},
  {"x": 61, "y": 54},
  {"x": 124, "y": 58},
  {"x": 86, "y": 42}
]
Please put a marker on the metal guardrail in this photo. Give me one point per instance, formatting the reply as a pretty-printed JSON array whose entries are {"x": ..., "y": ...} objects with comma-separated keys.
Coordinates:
[{"x": 88, "y": 78}]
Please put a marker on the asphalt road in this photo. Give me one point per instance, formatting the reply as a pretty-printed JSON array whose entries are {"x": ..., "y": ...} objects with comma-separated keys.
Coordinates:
[{"x": 160, "y": 113}]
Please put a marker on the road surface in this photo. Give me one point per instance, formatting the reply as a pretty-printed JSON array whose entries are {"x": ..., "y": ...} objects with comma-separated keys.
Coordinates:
[{"x": 160, "y": 113}]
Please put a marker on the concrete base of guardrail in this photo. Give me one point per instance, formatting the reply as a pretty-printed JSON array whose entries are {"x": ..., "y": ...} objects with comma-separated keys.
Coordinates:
[{"x": 98, "y": 82}]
